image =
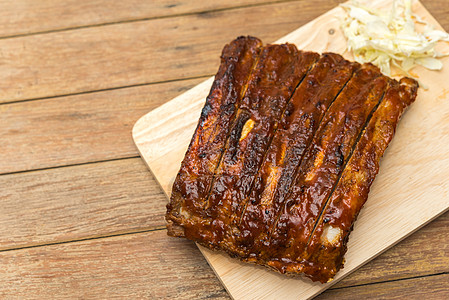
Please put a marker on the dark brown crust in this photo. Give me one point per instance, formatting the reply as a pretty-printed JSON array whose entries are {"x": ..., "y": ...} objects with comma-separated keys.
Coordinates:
[
  {"x": 279, "y": 71},
  {"x": 238, "y": 60},
  {"x": 325, "y": 160},
  {"x": 270, "y": 167},
  {"x": 294, "y": 135},
  {"x": 324, "y": 260}
]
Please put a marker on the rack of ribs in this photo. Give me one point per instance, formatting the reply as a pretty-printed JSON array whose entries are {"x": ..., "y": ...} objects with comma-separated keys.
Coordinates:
[{"x": 283, "y": 156}]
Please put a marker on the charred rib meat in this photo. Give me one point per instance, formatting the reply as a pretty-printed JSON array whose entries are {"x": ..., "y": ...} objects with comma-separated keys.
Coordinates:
[{"x": 285, "y": 151}]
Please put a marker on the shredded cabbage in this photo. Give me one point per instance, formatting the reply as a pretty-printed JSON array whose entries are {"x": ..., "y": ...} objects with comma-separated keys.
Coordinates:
[{"x": 390, "y": 38}]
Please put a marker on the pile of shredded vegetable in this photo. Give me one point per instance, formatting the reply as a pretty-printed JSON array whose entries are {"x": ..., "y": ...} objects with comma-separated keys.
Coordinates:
[{"x": 390, "y": 37}]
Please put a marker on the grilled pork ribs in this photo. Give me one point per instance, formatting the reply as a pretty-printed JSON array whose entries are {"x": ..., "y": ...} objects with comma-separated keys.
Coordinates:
[{"x": 285, "y": 151}]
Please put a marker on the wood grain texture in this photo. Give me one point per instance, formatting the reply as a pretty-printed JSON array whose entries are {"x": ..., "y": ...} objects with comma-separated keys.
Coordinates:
[
  {"x": 78, "y": 202},
  {"x": 101, "y": 199},
  {"x": 28, "y": 16},
  {"x": 140, "y": 266},
  {"x": 440, "y": 10},
  {"x": 150, "y": 265},
  {"x": 97, "y": 58},
  {"x": 77, "y": 129},
  {"x": 396, "y": 207},
  {"x": 153, "y": 50},
  {"x": 96, "y": 200},
  {"x": 433, "y": 287}
]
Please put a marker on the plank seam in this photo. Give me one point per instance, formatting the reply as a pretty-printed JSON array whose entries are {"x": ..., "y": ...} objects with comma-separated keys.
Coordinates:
[
  {"x": 200, "y": 12},
  {"x": 69, "y": 165},
  {"x": 157, "y": 228},
  {"x": 161, "y": 228},
  {"x": 204, "y": 76}
]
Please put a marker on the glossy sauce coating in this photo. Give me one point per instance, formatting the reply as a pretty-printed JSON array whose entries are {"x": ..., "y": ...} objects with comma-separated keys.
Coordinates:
[
  {"x": 326, "y": 257},
  {"x": 294, "y": 135},
  {"x": 277, "y": 176},
  {"x": 325, "y": 160},
  {"x": 278, "y": 72},
  {"x": 193, "y": 181}
]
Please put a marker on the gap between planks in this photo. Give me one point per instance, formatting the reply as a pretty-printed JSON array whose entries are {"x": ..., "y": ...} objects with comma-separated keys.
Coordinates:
[
  {"x": 115, "y": 239},
  {"x": 89, "y": 238},
  {"x": 103, "y": 123},
  {"x": 86, "y": 163},
  {"x": 70, "y": 165},
  {"x": 415, "y": 287},
  {"x": 186, "y": 47},
  {"x": 199, "y": 45},
  {"x": 91, "y": 201},
  {"x": 204, "y": 76},
  {"x": 79, "y": 152},
  {"x": 73, "y": 203},
  {"x": 385, "y": 281},
  {"x": 162, "y": 16}
]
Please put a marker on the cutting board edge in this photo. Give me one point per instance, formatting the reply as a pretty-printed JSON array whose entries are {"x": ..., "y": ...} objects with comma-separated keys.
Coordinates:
[{"x": 141, "y": 154}]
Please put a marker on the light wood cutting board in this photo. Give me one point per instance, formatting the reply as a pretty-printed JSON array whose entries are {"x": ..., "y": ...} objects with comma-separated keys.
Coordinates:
[{"x": 410, "y": 190}]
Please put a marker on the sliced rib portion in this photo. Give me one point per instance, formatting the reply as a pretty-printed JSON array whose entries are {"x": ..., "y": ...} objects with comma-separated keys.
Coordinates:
[
  {"x": 320, "y": 170},
  {"x": 193, "y": 181},
  {"x": 278, "y": 72},
  {"x": 283, "y": 156},
  {"x": 302, "y": 117},
  {"x": 327, "y": 246}
]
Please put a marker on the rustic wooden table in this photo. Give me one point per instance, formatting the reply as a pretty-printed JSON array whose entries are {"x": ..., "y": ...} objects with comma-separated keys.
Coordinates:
[{"x": 80, "y": 215}]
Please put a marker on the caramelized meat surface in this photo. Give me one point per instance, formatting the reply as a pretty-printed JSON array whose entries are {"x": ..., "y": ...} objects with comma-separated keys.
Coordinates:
[
  {"x": 319, "y": 171},
  {"x": 280, "y": 69},
  {"x": 327, "y": 244},
  {"x": 309, "y": 104},
  {"x": 194, "y": 179},
  {"x": 285, "y": 151}
]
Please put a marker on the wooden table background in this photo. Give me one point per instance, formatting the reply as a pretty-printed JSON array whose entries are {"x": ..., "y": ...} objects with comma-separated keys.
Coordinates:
[{"x": 80, "y": 215}]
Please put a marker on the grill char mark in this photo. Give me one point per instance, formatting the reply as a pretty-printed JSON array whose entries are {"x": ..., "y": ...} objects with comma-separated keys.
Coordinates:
[
  {"x": 225, "y": 178},
  {"x": 192, "y": 183}
]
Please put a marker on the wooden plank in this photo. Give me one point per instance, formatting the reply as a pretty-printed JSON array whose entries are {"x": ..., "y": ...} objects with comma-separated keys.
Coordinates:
[
  {"x": 148, "y": 265},
  {"x": 26, "y": 220},
  {"x": 137, "y": 53},
  {"x": 77, "y": 129},
  {"x": 431, "y": 287},
  {"x": 409, "y": 191},
  {"x": 28, "y": 16},
  {"x": 440, "y": 10},
  {"x": 141, "y": 52},
  {"x": 120, "y": 196},
  {"x": 78, "y": 202}
]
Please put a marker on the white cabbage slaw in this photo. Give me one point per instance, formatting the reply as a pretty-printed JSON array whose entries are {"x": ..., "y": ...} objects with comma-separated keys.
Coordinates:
[{"x": 385, "y": 38}]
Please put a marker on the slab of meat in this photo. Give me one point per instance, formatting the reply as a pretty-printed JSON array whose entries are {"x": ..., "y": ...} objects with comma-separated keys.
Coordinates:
[
  {"x": 325, "y": 160},
  {"x": 285, "y": 151},
  {"x": 193, "y": 181},
  {"x": 308, "y": 106},
  {"x": 327, "y": 244},
  {"x": 279, "y": 71}
]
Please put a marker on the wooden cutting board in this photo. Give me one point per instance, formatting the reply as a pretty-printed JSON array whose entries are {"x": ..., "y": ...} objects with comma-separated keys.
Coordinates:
[{"x": 410, "y": 190}]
